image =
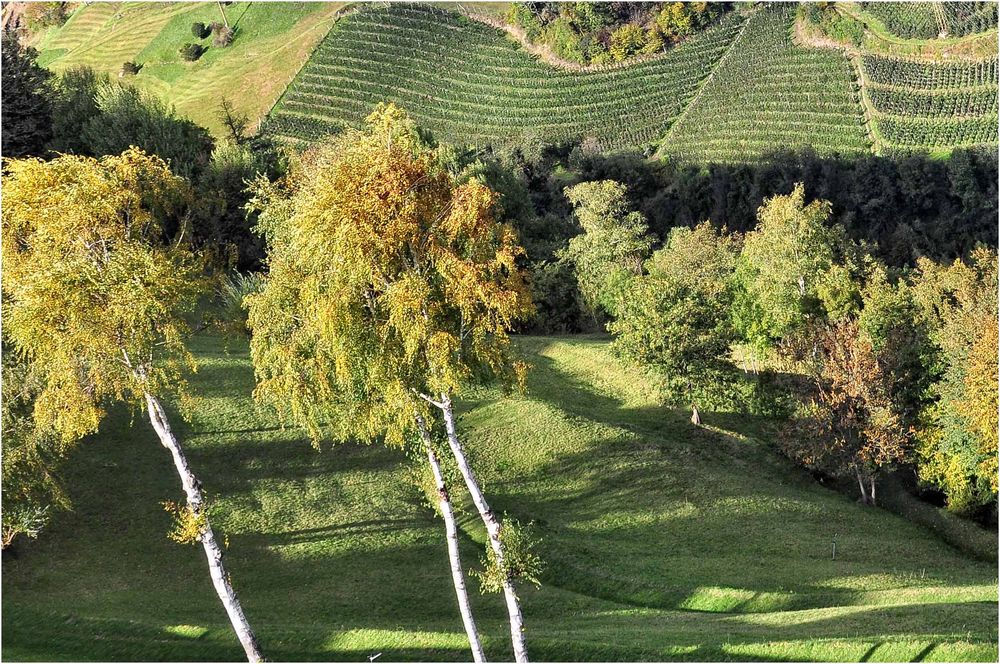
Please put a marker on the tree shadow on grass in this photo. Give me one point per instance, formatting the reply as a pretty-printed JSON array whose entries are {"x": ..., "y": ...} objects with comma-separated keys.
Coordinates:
[{"x": 695, "y": 519}]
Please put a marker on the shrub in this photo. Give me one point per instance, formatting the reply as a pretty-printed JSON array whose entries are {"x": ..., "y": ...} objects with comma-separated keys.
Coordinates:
[
  {"x": 191, "y": 52},
  {"x": 40, "y": 15},
  {"x": 231, "y": 293},
  {"x": 223, "y": 37},
  {"x": 200, "y": 30},
  {"x": 627, "y": 41},
  {"x": 129, "y": 68}
]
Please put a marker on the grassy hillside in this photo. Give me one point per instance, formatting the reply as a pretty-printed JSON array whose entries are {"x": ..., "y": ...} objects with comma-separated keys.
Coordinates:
[
  {"x": 470, "y": 83},
  {"x": 662, "y": 541},
  {"x": 272, "y": 42}
]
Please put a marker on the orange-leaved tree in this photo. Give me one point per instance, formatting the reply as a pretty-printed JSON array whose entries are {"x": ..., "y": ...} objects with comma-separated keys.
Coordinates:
[
  {"x": 96, "y": 293},
  {"x": 390, "y": 286},
  {"x": 853, "y": 426}
]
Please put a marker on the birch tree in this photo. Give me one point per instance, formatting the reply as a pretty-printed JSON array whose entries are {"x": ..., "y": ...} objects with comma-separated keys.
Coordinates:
[
  {"x": 95, "y": 297},
  {"x": 390, "y": 286}
]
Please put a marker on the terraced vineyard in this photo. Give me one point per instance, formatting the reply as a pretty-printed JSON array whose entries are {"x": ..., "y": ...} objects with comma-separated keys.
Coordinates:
[
  {"x": 909, "y": 20},
  {"x": 769, "y": 93},
  {"x": 966, "y": 18},
  {"x": 734, "y": 93},
  {"x": 467, "y": 82},
  {"x": 931, "y": 105},
  {"x": 927, "y": 20}
]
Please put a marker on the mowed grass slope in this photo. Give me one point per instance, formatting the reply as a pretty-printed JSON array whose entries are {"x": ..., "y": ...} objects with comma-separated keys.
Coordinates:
[
  {"x": 272, "y": 41},
  {"x": 661, "y": 540}
]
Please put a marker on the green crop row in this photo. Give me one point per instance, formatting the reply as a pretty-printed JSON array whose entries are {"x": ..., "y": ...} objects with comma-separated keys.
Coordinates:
[
  {"x": 768, "y": 94},
  {"x": 468, "y": 83}
]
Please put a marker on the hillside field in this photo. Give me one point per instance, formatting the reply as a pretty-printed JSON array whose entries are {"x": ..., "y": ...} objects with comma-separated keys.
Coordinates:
[
  {"x": 272, "y": 41},
  {"x": 661, "y": 540},
  {"x": 732, "y": 93}
]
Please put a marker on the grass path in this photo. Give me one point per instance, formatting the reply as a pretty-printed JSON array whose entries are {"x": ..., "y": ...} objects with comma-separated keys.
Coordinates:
[{"x": 662, "y": 541}]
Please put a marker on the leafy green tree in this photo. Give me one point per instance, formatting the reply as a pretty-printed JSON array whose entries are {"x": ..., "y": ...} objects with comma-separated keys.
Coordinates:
[
  {"x": 787, "y": 271},
  {"x": 558, "y": 309},
  {"x": 74, "y": 105},
  {"x": 96, "y": 296},
  {"x": 891, "y": 319},
  {"x": 957, "y": 448},
  {"x": 676, "y": 320},
  {"x": 390, "y": 285},
  {"x": 26, "y": 104},
  {"x": 129, "y": 117},
  {"x": 613, "y": 245}
]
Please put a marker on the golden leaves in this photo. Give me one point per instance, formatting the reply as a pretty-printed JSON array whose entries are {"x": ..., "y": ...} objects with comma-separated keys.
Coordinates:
[
  {"x": 401, "y": 279},
  {"x": 93, "y": 293}
]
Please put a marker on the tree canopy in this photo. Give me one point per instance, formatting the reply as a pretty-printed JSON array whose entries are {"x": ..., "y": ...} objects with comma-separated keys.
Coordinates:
[
  {"x": 613, "y": 245},
  {"x": 27, "y": 109},
  {"x": 92, "y": 283},
  {"x": 387, "y": 280}
]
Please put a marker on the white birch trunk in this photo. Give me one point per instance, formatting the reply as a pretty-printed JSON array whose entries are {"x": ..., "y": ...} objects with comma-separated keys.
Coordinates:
[
  {"x": 492, "y": 530},
  {"x": 861, "y": 484},
  {"x": 192, "y": 489},
  {"x": 451, "y": 531}
]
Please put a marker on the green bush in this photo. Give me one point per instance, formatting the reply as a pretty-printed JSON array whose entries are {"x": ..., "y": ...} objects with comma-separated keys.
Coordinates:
[
  {"x": 560, "y": 36},
  {"x": 191, "y": 52},
  {"x": 129, "y": 68},
  {"x": 627, "y": 41},
  {"x": 200, "y": 30}
]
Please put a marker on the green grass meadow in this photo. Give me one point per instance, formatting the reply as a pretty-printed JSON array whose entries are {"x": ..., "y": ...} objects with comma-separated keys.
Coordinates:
[
  {"x": 272, "y": 41},
  {"x": 661, "y": 541}
]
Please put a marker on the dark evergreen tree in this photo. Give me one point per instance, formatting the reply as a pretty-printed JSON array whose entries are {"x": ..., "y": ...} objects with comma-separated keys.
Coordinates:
[{"x": 26, "y": 108}]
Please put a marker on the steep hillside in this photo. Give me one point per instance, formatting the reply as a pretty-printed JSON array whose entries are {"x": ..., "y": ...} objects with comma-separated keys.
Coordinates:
[
  {"x": 742, "y": 89},
  {"x": 927, "y": 20},
  {"x": 272, "y": 41},
  {"x": 919, "y": 104},
  {"x": 661, "y": 540},
  {"x": 468, "y": 82},
  {"x": 768, "y": 93}
]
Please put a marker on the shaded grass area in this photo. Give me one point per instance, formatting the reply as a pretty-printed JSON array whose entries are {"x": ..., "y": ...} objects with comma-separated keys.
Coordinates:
[
  {"x": 661, "y": 540},
  {"x": 272, "y": 41}
]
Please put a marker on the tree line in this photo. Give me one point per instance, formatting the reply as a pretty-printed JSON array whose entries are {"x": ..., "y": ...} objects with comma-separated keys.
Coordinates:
[{"x": 900, "y": 363}]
